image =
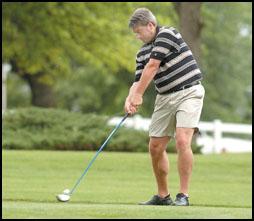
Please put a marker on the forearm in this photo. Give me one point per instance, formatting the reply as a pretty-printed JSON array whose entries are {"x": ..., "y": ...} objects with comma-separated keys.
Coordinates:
[
  {"x": 132, "y": 90},
  {"x": 134, "y": 99}
]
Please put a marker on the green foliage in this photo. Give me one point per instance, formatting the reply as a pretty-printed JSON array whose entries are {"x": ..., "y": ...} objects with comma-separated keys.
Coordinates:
[
  {"x": 36, "y": 128},
  {"x": 50, "y": 128},
  {"x": 55, "y": 129},
  {"x": 88, "y": 90},
  {"x": 52, "y": 38},
  {"x": 18, "y": 92},
  {"x": 226, "y": 61}
]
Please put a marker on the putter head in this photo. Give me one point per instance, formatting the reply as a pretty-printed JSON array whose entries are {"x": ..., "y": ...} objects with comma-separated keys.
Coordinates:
[{"x": 64, "y": 197}]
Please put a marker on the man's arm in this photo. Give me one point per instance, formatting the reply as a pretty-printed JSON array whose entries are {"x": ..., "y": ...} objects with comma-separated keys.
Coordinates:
[
  {"x": 132, "y": 89},
  {"x": 147, "y": 76}
]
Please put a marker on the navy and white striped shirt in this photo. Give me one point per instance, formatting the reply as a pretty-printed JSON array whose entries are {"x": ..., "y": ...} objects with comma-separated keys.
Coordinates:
[{"x": 178, "y": 66}]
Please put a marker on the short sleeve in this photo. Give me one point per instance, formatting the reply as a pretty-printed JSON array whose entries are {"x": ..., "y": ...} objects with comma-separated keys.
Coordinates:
[{"x": 165, "y": 42}]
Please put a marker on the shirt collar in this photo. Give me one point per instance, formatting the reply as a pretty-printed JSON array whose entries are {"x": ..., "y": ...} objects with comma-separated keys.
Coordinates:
[
  {"x": 156, "y": 33},
  {"x": 157, "y": 29}
]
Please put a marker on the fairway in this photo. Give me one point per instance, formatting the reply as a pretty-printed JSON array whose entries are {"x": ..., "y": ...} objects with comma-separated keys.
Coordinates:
[{"x": 221, "y": 186}]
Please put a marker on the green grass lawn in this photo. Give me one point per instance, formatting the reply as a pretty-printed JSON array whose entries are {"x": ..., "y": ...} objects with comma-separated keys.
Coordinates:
[{"x": 221, "y": 186}]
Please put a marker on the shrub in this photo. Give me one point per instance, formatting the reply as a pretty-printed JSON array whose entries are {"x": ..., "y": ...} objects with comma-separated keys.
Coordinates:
[{"x": 55, "y": 129}]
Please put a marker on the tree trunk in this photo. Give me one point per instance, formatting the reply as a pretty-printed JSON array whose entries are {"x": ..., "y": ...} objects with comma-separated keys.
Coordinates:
[
  {"x": 190, "y": 25},
  {"x": 42, "y": 94}
]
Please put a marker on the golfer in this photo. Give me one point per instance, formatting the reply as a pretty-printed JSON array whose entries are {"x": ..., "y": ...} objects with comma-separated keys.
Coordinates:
[{"x": 167, "y": 60}]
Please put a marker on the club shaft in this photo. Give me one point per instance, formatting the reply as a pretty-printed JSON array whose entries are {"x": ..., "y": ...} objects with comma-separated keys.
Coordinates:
[{"x": 97, "y": 153}]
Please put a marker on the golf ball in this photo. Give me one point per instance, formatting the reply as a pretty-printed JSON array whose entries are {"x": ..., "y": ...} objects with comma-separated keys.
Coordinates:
[{"x": 67, "y": 191}]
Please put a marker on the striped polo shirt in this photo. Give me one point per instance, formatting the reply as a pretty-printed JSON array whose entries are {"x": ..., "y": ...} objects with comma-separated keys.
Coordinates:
[{"x": 178, "y": 66}]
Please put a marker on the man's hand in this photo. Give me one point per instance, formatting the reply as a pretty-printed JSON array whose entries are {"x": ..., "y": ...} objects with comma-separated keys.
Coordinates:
[
  {"x": 132, "y": 103},
  {"x": 136, "y": 100},
  {"x": 128, "y": 107}
]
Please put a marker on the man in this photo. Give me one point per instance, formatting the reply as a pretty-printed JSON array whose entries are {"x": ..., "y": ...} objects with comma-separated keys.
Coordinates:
[{"x": 167, "y": 60}]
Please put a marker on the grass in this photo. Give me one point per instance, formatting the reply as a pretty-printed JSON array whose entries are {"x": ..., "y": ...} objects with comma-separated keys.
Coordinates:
[{"x": 221, "y": 186}]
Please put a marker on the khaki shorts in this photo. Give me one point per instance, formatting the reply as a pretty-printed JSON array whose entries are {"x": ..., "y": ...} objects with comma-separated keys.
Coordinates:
[{"x": 179, "y": 109}]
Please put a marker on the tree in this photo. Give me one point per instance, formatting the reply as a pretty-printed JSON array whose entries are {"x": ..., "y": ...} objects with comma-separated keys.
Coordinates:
[
  {"x": 226, "y": 61},
  {"x": 190, "y": 25},
  {"x": 43, "y": 41}
]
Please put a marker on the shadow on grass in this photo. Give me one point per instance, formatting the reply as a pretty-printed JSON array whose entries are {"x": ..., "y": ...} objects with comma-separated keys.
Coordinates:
[{"x": 114, "y": 203}]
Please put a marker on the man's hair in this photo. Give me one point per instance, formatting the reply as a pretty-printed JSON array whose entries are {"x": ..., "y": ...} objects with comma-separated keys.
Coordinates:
[{"x": 142, "y": 16}]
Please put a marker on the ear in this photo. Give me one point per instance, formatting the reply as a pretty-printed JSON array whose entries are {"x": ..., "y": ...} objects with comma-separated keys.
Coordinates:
[{"x": 151, "y": 25}]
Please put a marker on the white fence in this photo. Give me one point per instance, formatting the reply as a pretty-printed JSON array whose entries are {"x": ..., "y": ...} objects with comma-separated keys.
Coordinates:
[
  {"x": 210, "y": 144},
  {"x": 219, "y": 143},
  {"x": 5, "y": 69}
]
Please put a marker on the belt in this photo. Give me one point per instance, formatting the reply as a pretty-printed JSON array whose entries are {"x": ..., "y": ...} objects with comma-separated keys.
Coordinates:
[{"x": 182, "y": 88}]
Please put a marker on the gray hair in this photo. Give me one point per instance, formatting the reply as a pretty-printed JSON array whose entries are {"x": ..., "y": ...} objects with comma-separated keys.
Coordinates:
[{"x": 142, "y": 16}]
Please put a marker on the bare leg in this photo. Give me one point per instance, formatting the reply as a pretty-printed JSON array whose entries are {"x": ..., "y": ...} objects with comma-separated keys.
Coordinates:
[
  {"x": 157, "y": 149},
  {"x": 185, "y": 157}
]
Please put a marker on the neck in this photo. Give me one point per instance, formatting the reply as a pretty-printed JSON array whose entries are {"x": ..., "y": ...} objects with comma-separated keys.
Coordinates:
[{"x": 156, "y": 31}]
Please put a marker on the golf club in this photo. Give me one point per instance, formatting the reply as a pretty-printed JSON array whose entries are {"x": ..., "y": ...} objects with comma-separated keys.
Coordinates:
[{"x": 65, "y": 196}]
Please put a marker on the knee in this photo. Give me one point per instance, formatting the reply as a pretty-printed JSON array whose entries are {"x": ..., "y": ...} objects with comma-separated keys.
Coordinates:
[
  {"x": 156, "y": 148},
  {"x": 182, "y": 144}
]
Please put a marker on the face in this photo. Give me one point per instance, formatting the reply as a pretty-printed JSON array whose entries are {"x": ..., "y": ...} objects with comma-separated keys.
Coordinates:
[{"x": 145, "y": 33}]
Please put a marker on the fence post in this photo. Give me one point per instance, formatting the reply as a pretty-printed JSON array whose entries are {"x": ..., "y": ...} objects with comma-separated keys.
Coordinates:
[
  {"x": 5, "y": 69},
  {"x": 217, "y": 134}
]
